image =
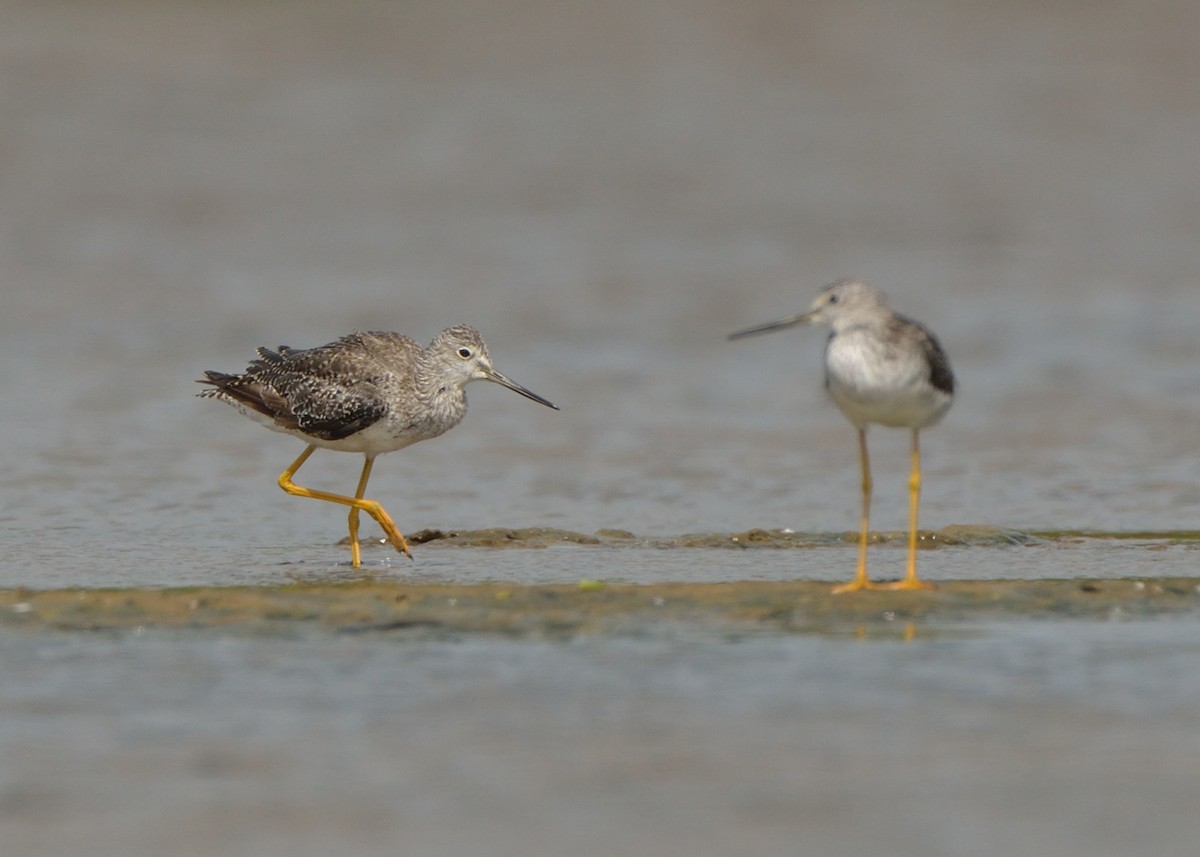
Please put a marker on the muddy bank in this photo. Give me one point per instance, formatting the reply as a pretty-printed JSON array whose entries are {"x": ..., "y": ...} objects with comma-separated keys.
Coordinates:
[
  {"x": 977, "y": 535},
  {"x": 589, "y": 607}
]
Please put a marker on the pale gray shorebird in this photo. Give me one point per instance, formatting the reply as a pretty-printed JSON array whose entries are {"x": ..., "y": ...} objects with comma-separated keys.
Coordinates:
[
  {"x": 369, "y": 393},
  {"x": 880, "y": 367}
]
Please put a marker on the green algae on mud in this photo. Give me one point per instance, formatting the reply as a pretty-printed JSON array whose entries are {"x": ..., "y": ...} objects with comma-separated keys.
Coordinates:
[
  {"x": 540, "y": 537},
  {"x": 590, "y": 608}
]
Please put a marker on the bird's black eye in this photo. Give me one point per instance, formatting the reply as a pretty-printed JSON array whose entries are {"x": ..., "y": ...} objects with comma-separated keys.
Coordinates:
[
  {"x": 464, "y": 353},
  {"x": 833, "y": 299}
]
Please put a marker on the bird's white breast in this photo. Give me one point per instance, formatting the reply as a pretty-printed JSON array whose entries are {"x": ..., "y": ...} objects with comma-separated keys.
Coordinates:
[{"x": 872, "y": 382}]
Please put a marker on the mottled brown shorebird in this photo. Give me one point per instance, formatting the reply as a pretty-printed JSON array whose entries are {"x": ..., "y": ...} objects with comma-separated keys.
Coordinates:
[
  {"x": 880, "y": 367},
  {"x": 367, "y": 392}
]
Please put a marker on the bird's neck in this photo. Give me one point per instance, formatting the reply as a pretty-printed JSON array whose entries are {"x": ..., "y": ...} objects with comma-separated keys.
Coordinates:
[
  {"x": 440, "y": 396},
  {"x": 859, "y": 325}
]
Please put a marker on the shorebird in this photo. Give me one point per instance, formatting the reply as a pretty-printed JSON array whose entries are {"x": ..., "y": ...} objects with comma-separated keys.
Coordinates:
[
  {"x": 368, "y": 392},
  {"x": 880, "y": 367}
]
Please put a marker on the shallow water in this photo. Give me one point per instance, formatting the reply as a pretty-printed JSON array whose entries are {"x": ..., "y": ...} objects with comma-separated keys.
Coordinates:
[
  {"x": 606, "y": 192},
  {"x": 1002, "y": 738}
]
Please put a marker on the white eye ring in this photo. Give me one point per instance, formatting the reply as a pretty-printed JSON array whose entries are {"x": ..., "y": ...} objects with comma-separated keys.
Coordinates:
[{"x": 464, "y": 353}]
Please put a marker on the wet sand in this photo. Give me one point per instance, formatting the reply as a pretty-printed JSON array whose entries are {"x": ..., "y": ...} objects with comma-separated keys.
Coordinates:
[{"x": 590, "y": 607}]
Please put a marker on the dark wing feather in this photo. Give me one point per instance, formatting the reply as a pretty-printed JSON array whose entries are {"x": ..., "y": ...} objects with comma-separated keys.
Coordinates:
[
  {"x": 323, "y": 392},
  {"x": 940, "y": 375}
]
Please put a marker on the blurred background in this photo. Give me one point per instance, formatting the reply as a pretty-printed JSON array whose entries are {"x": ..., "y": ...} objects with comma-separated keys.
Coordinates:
[{"x": 605, "y": 191}]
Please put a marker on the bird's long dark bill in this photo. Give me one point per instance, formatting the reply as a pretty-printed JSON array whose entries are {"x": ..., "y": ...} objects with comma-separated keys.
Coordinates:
[
  {"x": 771, "y": 326},
  {"x": 505, "y": 381}
]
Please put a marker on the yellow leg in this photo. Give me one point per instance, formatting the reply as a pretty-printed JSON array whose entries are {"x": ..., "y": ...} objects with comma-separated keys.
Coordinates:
[
  {"x": 355, "y": 503},
  {"x": 861, "y": 581},
  {"x": 911, "y": 581},
  {"x": 358, "y": 495}
]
